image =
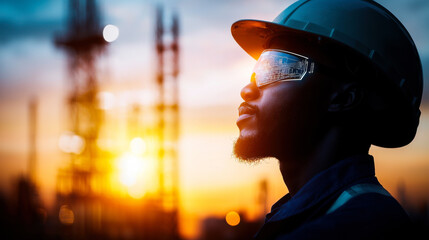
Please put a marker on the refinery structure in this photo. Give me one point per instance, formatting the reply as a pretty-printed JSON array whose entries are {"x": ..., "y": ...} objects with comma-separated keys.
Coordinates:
[{"x": 88, "y": 206}]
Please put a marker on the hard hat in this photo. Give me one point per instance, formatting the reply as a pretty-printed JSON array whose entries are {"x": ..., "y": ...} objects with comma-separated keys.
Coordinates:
[{"x": 367, "y": 29}]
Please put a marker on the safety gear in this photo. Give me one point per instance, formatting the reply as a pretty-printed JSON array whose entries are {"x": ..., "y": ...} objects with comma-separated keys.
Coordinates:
[
  {"x": 276, "y": 65},
  {"x": 363, "y": 27},
  {"x": 355, "y": 191}
]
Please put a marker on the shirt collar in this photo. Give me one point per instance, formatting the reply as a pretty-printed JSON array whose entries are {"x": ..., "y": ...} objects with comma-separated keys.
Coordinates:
[{"x": 323, "y": 185}]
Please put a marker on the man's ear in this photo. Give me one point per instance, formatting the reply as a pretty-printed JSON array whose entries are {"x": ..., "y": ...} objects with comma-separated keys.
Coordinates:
[{"x": 347, "y": 97}]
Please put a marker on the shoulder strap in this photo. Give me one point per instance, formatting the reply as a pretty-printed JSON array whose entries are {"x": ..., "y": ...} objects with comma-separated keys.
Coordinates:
[{"x": 354, "y": 191}]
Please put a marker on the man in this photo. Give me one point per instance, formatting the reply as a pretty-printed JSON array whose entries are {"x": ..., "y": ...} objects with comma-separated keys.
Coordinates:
[{"x": 333, "y": 77}]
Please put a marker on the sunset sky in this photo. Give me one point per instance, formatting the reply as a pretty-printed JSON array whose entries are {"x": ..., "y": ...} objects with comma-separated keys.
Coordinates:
[{"x": 213, "y": 70}]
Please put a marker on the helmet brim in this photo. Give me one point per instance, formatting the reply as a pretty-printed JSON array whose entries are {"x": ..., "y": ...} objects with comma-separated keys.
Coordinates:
[{"x": 254, "y": 35}]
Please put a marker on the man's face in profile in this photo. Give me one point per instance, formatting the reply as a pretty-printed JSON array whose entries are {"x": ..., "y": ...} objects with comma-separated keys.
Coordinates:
[{"x": 281, "y": 118}]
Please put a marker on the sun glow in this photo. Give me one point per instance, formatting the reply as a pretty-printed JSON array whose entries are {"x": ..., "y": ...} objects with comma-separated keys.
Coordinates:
[
  {"x": 130, "y": 167},
  {"x": 137, "y": 146},
  {"x": 135, "y": 173}
]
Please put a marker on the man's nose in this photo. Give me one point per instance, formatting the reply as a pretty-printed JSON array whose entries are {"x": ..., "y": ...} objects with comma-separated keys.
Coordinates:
[{"x": 250, "y": 91}]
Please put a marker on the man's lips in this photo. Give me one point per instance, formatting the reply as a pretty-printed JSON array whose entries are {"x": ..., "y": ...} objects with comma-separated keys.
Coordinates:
[
  {"x": 245, "y": 111},
  {"x": 246, "y": 108}
]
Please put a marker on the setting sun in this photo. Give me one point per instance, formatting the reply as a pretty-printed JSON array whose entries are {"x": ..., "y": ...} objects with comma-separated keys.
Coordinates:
[
  {"x": 136, "y": 174},
  {"x": 130, "y": 168},
  {"x": 137, "y": 146}
]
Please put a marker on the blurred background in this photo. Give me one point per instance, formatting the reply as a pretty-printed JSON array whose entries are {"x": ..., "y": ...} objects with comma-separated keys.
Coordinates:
[{"x": 117, "y": 121}]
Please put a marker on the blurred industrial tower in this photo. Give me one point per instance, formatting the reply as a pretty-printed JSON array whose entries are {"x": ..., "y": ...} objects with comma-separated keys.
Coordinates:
[
  {"x": 84, "y": 209},
  {"x": 77, "y": 193},
  {"x": 168, "y": 121},
  {"x": 32, "y": 126}
]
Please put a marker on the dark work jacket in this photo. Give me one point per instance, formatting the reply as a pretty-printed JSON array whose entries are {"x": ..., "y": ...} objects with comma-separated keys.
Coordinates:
[{"x": 366, "y": 216}]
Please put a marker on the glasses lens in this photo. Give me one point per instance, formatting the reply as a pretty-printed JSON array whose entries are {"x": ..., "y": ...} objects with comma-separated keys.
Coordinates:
[{"x": 276, "y": 65}]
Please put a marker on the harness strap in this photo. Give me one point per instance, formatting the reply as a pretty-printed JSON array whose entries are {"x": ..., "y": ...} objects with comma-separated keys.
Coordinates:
[{"x": 354, "y": 191}]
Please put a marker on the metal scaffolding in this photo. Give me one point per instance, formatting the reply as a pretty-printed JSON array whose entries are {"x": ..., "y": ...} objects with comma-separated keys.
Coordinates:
[
  {"x": 81, "y": 200},
  {"x": 168, "y": 119},
  {"x": 77, "y": 195}
]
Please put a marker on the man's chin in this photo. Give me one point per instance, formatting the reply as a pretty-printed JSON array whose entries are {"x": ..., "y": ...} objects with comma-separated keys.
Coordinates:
[{"x": 249, "y": 149}]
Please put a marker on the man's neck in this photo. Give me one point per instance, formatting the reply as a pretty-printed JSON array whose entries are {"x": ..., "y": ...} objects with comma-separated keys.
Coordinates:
[{"x": 335, "y": 146}]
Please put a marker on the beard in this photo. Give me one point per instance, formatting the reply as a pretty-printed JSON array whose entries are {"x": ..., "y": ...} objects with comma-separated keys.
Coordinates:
[
  {"x": 251, "y": 149},
  {"x": 265, "y": 139}
]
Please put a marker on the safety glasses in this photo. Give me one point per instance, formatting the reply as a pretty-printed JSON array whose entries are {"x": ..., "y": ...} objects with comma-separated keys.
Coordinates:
[{"x": 277, "y": 66}]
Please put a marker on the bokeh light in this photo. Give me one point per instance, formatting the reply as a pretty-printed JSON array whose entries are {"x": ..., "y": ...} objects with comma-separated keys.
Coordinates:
[
  {"x": 71, "y": 143},
  {"x": 232, "y": 218},
  {"x": 110, "y": 33},
  {"x": 66, "y": 215},
  {"x": 106, "y": 100}
]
